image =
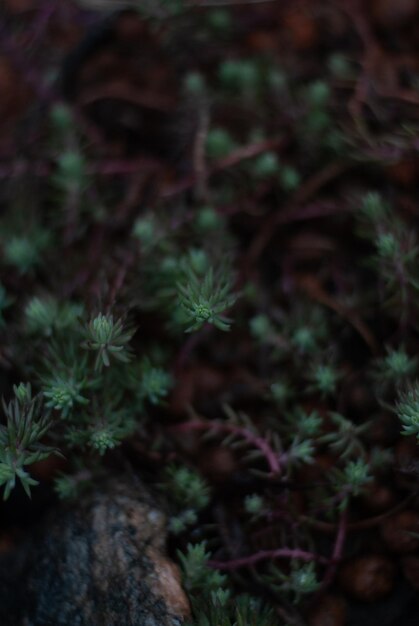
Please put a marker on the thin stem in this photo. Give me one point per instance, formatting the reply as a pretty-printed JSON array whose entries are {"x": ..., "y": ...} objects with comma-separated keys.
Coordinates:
[
  {"x": 264, "y": 555},
  {"x": 271, "y": 457}
]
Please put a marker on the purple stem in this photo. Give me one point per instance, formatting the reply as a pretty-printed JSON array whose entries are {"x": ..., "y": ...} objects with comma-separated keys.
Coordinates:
[
  {"x": 272, "y": 458},
  {"x": 264, "y": 555}
]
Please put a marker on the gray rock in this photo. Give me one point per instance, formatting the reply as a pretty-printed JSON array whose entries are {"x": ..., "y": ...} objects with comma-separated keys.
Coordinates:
[{"x": 98, "y": 562}]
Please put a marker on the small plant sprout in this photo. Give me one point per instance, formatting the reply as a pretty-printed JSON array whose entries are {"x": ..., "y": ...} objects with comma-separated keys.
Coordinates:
[
  {"x": 300, "y": 581},
  {"x": 345, "y": 438},
  {"x": 41, "y": 315},
  {"x": 301, "y": 452},
  {"x": 304, "y": 339},
  {"x": 318, "y": 94},
  {"x": 373, "y": 208},
  {"x": 155, "y": 383},
  {"x": 241, "y": 76},
  {"x": 261, "y": 327},
  {"x": 353, "y": 479},
  {"x": 340, "y": 66},
  {"x": 196, "y": 261},
  {"x": 396, "y": 367},
  {"x": 71, "y": 172},
  {"x": 69, "y": 487},
  {"x": 186, "y": 487},
  {"x": 219, "y": 143},
  {"x": 203, "y": 300},
  {"x": 195, "y": 84},
  {"x": 324, "y": 379},
  {"x": 103, "y": 438},
  {"x": 266, "y": 165},
  {"x": 63, "y": 394},
  {"x": 23, "y": 252},
  {"x": 109, "y": 339},
  {"x": 290, "y": 178},
  {"x": 281, "y": 392},
  {"x": 61, "y": 118},
  {"x": 254, "y": 504},
  {"x": 189, "y": 494},
  {"x": 145, "y": 231},
  {"x": 388, "y": 247},
  {"x": 307, "y": 424},
  {"x": 207, "y": 219},
  {"x": 197, "y": 575},
  {"x": 407, "y": 410},
  {"x": 23, "y": 393},
  {"x": 26, "y": 424}
]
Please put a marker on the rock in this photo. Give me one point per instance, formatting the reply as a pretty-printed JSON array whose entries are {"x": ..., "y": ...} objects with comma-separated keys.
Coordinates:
[
  {"x": 98, "y": 562},
  {"x": 367, "y": 578}
]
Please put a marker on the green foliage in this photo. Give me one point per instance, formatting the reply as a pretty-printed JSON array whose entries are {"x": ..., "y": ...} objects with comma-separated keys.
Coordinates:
[
  {"x": 221, "y": 610},
  {"x": 23, "y": 393},
  {"x": 219, "y": 143},
  {"x": 220, "y": 20},
  {"x": 155, "y": 383},
  {"x": 396, "y": 367},
  {"x": 198, "y": 577},
  {"x": 105, "y": 437},
  {"x": 24, "y": 252},
  {"x": 407, "y": 410},
  {"x": 61, "y": 118},
  {"x": 145, "y": 231},
  {"x": 345, "y": 438},
  {"x": 240, "y": 76},
  {"x": 203, "y": 300},
  {"x": 300, "y": 581},
  {"x": 186, "y": 487},
  {"x": 307, "y": 425},
  {"x": 70, "y": 487},
  {"x": 45, "y": 316},
  {"x": 20, "y": 439},
  {"x": 281, "y": 392},
  {"x": 318, "y": 94},
  {"x": 63, "y": 393},
  {"x": 354, "y": 477},
  {"x": 254, "y": 504},
  {"x": 261, "y": 327},
  {"x": 189, "y": 494},
  {"x": 207, "y": 219},
  {"x": 373, "y": 208},
  {"x": 267, "y": 164},
  {"x": 324, "y": 379},
  {"x": 396, "y": 252},
  {"x": 340, "y": 66},
  {"x": 301, "y": 452},
  {"x": 306, "y": 329},
  {"x": 304, "y": 339},
  {"x": 195, "y": 84},
  {"x": 71, "y": 175},
  {"x": 88, "y": 242},
  {"x": 109, "y": 339},
  {"x": 290, "y": 178}
]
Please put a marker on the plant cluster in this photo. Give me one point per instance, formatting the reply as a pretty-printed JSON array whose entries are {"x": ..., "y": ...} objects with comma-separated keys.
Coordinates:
[{"x": 248, "y": 301}]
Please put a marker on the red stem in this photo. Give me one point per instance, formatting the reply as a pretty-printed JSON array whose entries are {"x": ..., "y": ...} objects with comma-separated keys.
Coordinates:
[
  {"x": 272, "y": 458},
  {"x": 263, "y": 555}
]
